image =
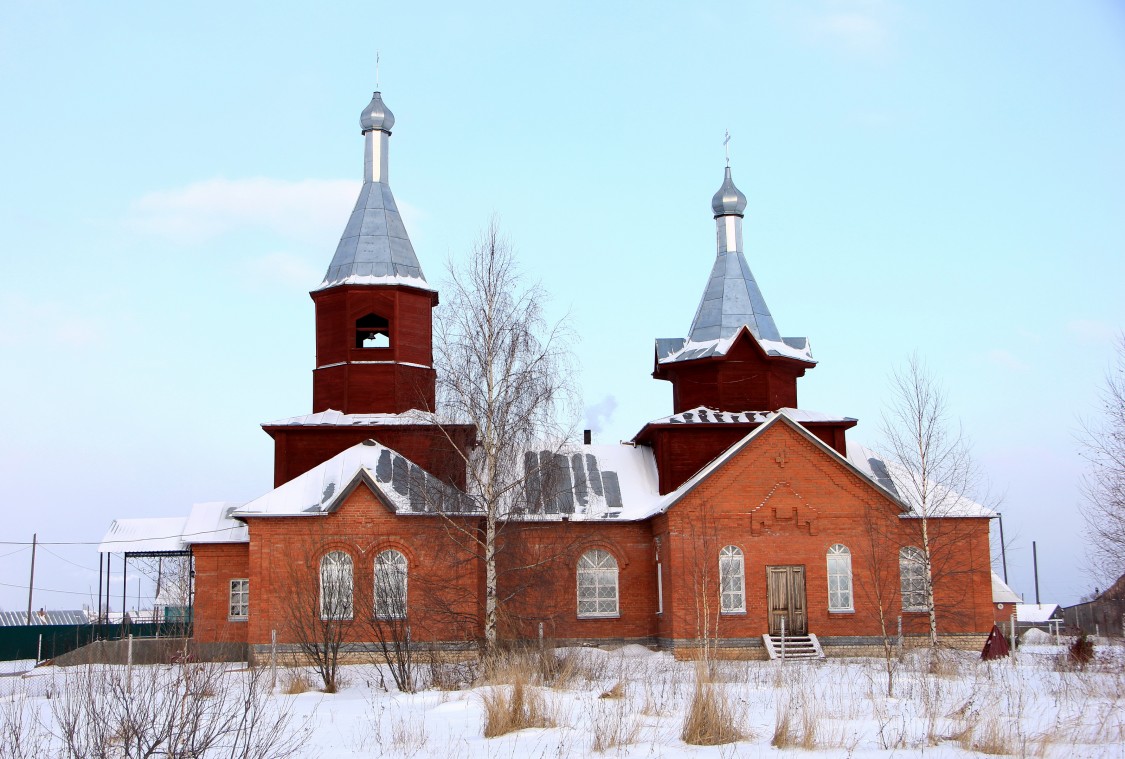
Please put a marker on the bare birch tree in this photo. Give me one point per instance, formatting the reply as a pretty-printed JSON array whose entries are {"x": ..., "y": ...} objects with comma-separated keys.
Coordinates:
[
  {"x": 1103, "y": 446},
  {"x": 505, "y": 370},
  {"x": 932, "y": 469}
]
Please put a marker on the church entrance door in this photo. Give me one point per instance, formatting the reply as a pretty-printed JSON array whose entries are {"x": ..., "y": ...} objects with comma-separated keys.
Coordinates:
[{"x": 786, "y": 599}]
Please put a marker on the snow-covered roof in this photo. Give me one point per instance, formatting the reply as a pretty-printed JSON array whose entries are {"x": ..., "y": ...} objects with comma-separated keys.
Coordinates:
[
  {"x": 942, "y": 502},
  {"x": 212, "y": 523},
  {"x": 1036, "y": 613},
  {"x": 705, "y": 415},
  {"x": 333, "y": 418},
  {"x": 1001, "y": 593},
  {"x": 206, "y": 523},
  {"x": 137, "y": 535},
  {"x": 402, "y": 484},
  {"x": 674, "y": 349},
  {"x": 593, "y": 481}
]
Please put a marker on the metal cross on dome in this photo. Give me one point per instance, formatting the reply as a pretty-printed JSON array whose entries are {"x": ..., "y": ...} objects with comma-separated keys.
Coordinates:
[{"x": 726, "y": 145}]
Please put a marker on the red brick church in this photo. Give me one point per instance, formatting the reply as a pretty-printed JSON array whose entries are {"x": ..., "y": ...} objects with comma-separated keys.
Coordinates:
[{"x": 736, "y": 517}]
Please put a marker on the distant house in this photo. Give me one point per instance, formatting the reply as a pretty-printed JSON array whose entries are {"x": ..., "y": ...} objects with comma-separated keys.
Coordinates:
[
  {"x": 1004, "y": 599},
  {"x": 1046, "y": 617},
  {"x": 1105, "y": 615}
]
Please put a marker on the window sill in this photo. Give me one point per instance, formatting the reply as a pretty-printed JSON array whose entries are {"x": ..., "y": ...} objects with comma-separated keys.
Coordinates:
[
  {"x": 841, "y": 611},
  {"x": 238, "y": 619},
  {"x": 582, "y": 617},
  {"x": 740, "y": 613}
]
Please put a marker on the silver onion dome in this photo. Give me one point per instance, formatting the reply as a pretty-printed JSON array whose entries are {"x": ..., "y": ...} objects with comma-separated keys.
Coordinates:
[
  {"x": 729, "y": 200},
  {"x": 376, "y": 115}
]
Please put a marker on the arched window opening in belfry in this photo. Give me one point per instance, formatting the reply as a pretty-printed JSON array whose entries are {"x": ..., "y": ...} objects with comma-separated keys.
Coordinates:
[{"x": 372, "y": 331}]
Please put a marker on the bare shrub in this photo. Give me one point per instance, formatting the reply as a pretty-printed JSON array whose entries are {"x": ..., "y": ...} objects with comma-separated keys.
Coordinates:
[
  {"x": 1081, "y": 651},
  {"x": 507, "y": 709},
  {"x": 22, "y": 736},
  {"x": 156, "y": 711},
  {"x": 712, "y": 718},
  {"x": 449, "y": 675}
]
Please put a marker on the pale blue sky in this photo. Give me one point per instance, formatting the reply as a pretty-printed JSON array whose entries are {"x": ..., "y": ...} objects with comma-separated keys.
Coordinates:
[{"x": 943, "y": 178}]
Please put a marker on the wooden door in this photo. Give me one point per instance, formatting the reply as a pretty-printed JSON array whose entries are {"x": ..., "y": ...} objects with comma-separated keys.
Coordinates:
[{"x": 786, "y": 599}]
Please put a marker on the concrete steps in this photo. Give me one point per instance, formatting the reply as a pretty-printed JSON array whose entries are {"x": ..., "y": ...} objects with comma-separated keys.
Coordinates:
[{"x": 793, "y": 647}]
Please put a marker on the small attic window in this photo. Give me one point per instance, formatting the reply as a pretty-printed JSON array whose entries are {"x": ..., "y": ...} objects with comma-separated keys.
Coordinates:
[{"x": 372, "y": 331}]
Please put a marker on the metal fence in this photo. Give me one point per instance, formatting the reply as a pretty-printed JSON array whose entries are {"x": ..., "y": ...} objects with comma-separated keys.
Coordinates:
[{"x": 41, "y": 642}]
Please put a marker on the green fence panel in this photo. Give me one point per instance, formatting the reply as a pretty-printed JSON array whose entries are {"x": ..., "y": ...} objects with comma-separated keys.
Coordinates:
[{"x": 48, "y": 641}]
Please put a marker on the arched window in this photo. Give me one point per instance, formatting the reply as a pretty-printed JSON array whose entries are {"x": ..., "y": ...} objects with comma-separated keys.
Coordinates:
[
  {"x": 597, "y": 584},
  {"x": 840, "y": 578},
  {"x": 390, "y": 585},
  {"x": 372, "y": 331},
  {"x": 336, "y": 586},
  {"x": 912, "y": 575},
  {"x": 732, "y": 580}
]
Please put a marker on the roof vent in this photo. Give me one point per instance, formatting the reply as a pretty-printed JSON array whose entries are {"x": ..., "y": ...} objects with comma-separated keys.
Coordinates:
[{"x": 369, "y": 441}]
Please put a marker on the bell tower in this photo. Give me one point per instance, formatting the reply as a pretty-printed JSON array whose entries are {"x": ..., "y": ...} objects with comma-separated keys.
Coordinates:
[
  {"x": 374, "y": 340},
  {"x": 374, "y": 335},
  {"x": 734, "y": 358}
]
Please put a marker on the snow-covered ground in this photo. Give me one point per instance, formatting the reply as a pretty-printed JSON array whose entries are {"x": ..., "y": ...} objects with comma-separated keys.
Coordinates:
[{"x": 948, "y": 704}]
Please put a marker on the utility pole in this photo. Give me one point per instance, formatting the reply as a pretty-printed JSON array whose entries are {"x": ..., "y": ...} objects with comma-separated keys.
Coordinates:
[
  {"x": 31, "y": 581},
  {"x": 1003, "y": 548},
  {"x": 1035, "y": 568}
]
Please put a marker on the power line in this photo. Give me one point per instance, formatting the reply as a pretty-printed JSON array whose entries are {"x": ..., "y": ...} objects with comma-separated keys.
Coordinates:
[
  {"x": 50, "y": 590},
  {"x": 13, "y": 553},
  {"x": 68, "y": 561},
  {"x": 123, "y": 540}
]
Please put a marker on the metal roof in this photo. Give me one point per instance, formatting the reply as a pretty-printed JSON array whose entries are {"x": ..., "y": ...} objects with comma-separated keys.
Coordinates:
[
  {"x": 729, "y": 199},
  {"x": 44, "y": 617},
  {"x": 375, "y": 248},
  {"x": 732, "y": 300}
]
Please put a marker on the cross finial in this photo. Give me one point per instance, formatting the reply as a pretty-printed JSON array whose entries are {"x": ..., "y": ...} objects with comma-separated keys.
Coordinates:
[
  {"x": 376, "y": 69},
  {"x": 726, "y": 146}
]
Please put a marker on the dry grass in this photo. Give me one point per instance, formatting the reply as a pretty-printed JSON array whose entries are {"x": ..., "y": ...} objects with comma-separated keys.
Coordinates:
[
  {"x": 295, "y": 681},
  {"x": 614, "y": 724},
  {"x": 711, "y": 718},
  {"x": 617, "y": 691},
  {"x": 797, "y": 725},
  {"x": 507, "y": 709}
]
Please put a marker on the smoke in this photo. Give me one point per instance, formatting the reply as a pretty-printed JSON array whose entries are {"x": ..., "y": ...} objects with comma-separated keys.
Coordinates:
[{"x": 599, "y": 414}]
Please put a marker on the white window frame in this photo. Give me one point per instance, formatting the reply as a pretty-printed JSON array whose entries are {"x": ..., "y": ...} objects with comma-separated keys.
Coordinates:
[
  {"x": 839, "y": 560},
  {"x": 732, "y": 571},
  {"x": 387, "y": 562},
  {"x": 598, "y": 571},
  {"x": 346, "y": 580},
  {"x": 912, "y": 578},
  {"x": 239, "y": 599}
]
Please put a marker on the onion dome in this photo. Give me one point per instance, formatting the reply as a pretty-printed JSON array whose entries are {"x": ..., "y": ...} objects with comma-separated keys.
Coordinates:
[
  {"x": 376, "y": 116},
  {"x": 729, "y": 200}
]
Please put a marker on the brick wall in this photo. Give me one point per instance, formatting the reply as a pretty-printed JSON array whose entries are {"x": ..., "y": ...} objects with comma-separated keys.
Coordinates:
[{"x": 215, "y": 566}]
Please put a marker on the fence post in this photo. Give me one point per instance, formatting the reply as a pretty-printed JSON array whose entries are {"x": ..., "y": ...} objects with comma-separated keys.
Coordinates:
[
  {"x": 273, "y": 660},
  {"x": 900, "y": 633},
  {"x": 1014, "y": 640},
  {"x": 783, "y": 638},
  {"x": 39, "y": 653},
  {"x": 129, "y": 665}
]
